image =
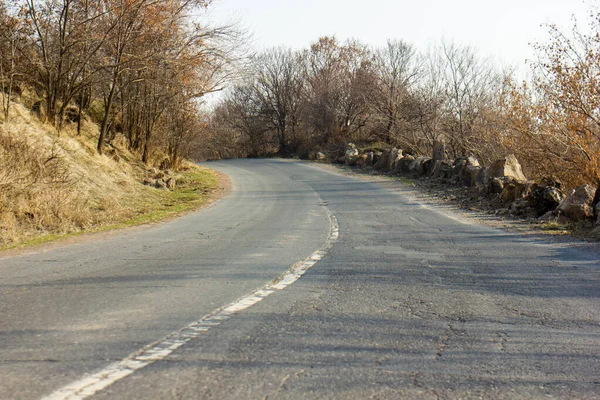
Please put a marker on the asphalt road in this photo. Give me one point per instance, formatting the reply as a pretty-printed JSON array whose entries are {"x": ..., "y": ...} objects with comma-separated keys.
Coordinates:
[{"x": 407, "y": 303}]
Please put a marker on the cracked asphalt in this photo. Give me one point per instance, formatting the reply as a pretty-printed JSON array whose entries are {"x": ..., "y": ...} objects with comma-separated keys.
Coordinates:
[{"x": 409, "y": 303}]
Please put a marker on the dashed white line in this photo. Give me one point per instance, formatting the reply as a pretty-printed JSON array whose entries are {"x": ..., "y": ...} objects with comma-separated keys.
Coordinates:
[{"x": 94, "y": 383}]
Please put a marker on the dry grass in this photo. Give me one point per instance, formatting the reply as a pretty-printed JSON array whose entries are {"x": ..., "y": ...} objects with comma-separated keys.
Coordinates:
[{"x": 53, "y": 185}]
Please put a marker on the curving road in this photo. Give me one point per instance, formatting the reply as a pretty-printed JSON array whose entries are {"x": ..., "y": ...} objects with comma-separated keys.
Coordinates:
[{"x": 407, "y": 303}]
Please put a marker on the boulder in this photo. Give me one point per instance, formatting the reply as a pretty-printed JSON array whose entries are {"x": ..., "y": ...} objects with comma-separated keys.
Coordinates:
[
  {"x": 171, "y": 183},
  {"x": 428, "y": 166},
  {"x": 382, "y": 162},
  {"x": 149, "y": 182},
  {"x": 577, "y": 205},
  {"x": 507, "y": 167},
  {"x": 395, "y": 156},
  {"x": 515, "y": 190},
  {"x": 403, "y": 165},
  {"x": 317, "y": 156},
  {"x": 468, "y": 175},
  {"x": 457, "y": 168},
  {"x": 397, "y": 159},
  {"x": 495, "y": 185},
  {"x": 351, "y": 150},
  {"x": 521, "y": 207},
  {"x": 545, "y": 198},
  {"x": 160, "y": 184},
  {"x": 376, "y": 157},
  {"x": 362, "y": 161},
  {"x": 416, "y": 166},
  {"x": 596, "y": 203},
  {"x": 352, "y": 160},
  {"x": 480, "y": 180},
  {"x": 472, "y": 161},
  {"x": 441, "y": 170}
]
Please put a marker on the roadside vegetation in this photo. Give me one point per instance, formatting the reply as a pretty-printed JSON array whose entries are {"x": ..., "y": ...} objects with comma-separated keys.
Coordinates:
[
  {"x": 54, "y": 186},
  {"x": 100, "y": 110},
  {"x": 318, "y": 99}
]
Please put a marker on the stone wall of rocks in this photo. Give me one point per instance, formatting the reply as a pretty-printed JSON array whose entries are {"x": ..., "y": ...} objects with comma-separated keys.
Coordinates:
[{"x": 502, "y": 181}]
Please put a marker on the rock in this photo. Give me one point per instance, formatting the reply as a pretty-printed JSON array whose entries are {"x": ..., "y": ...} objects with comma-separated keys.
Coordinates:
[
  {"x": 440, "y": 170},
  {"x": 403, "y": 165},
  {"x": 362, "y": 161},
  {"x": 439, "y": 150},
  {"x": 171, "y": 183},
  {"x": 149, "y": 182},
  {"x": 158, "y": 174},
  {"x": 577, "y": 205},
  {"x": 596, "y": 205},
  {"x": 515, "y": 190},
  {"x": 521, "y": 207},
  {"x": 495, "y": 185},
  {"x": 428, "y": 166},
  {"x": 320, "y": 156},
  {"x": 370, "y": 161},
  {"x": 382, "y": 162},
  {"x": 472, "y": 161},
  {"x": 352, "y": 160},
  {"x": 554, "y": 217},
  {"x": 548, "y": 216},
  {"x": 507, "y": 167},
  {"x": 544, "y": 199},
  {"x": 468, "y": 175},
  {"x": 416, "y": 166},
  {"x": 376, "y": 157},
  {"x": 551, "y": 182},
  {"x": 160, "y": 184},
  {"x": 351, "y": 151},
  {"x": 436, "y": 168},
  {"x": 465, "y": 170},
  {"x": 480, "y": 180},
  {"x": 446, "y": 170},
  {"x": 457, "y": 167},
  {"x": 393, "y": 159}
]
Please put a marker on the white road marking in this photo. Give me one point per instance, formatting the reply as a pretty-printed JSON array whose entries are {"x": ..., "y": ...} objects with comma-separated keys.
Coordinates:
[{"x": 94, "y": 383}]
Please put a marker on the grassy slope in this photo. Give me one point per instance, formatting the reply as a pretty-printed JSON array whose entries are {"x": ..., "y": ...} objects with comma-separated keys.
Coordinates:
[{"x": 53, "y": 186}]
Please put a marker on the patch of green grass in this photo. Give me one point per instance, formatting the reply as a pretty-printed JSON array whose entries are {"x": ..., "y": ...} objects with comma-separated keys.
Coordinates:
[
  {"x": 406, "y": 180},
  {"x": 194, "y": 188},
  {"x": 554, "y": 228}
]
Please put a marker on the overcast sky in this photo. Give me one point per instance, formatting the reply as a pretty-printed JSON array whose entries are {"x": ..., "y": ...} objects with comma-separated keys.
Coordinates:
[{"x": 501, "y": 29}]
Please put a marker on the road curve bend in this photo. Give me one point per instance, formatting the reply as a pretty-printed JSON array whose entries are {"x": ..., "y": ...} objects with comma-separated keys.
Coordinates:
[{"x": 405, "y": 302}]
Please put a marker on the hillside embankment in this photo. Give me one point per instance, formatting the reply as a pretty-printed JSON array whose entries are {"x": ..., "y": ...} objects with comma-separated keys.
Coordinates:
[{"x": 54, "y": 184}]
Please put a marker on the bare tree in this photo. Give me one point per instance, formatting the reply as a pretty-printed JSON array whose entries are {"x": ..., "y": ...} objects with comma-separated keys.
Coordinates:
[
  {"x": 397, "y": 70},
  {"x": 278, "y": 87}
]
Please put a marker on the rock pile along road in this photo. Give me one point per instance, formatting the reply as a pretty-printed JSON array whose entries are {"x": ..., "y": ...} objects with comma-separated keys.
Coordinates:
[{"x": 388, "y": 299}]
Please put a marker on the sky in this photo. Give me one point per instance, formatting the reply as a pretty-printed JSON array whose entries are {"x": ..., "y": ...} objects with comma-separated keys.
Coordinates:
[{"x": 502, "y": 30}]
